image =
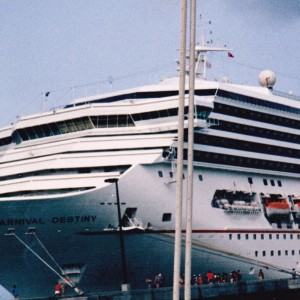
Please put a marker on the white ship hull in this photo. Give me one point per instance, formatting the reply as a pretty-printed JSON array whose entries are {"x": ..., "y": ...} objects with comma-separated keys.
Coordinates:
[{"x": 72, "y": 229}]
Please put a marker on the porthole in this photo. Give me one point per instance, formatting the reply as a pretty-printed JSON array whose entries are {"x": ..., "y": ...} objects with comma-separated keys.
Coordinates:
[{"x": 166, "y": 217}]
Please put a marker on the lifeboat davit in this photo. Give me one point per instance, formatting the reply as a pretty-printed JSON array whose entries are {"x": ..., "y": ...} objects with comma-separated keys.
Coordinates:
[{"x": 296, "y": 207}]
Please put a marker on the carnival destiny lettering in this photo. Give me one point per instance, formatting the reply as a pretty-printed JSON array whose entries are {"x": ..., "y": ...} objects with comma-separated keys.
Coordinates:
[{"x": 53, "y": 220}]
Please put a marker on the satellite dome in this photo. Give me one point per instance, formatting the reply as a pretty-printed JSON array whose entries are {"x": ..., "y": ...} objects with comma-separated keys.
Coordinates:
[{"x": 267, "y": 78}]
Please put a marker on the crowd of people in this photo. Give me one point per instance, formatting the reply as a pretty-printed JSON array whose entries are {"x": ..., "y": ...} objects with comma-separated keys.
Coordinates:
[
  {"x": 208, "y": 278},
  {"x": 211, "y": 278},
  {"x": 156, "y": 282}
]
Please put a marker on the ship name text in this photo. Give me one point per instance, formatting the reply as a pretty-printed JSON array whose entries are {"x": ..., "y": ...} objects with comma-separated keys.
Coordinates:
[{"x": 53, "y": 220}]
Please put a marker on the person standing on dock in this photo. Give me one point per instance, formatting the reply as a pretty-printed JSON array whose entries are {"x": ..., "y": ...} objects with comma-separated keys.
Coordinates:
[
  {"x": 261, "y": 275},
  {"x": 57, "y": 290},
  {"x": 15, "y": 292}
]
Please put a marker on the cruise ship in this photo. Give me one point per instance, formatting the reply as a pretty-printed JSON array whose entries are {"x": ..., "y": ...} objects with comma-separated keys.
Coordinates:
[{"x": 64, "y": 172}]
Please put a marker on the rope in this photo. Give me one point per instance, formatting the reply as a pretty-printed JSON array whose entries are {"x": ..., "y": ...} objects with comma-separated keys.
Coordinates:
[
  {"x": 71, "y": 284},
  {"x": 52, "y": 258}
]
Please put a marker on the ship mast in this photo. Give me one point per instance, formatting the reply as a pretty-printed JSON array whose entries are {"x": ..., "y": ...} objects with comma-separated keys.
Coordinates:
[{"x": 201, "y": 59}]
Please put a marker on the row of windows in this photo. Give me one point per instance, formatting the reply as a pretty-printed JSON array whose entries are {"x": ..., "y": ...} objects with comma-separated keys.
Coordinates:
[
  {"x": 256, "y": 131},
  {"x": 144, "y": 95},
  {"x": 73, "y": 125},
  {"x": 51, "y": 129},
  {"x": 112, "y": 121},
  {"x": 131, "y": 96},
  {"x": 256, "y": 101},
  {"x": 6, "y": 141},
  {"x": 84, "y": 123},
  {"x": 171, "y": 175},
  {"x": 209, "y": 92},
  {"x": 255, "y": 115},
  {"x": 265, "y": 181},
  {"x": 279, "y": 253},
  {"x": 125, "y": 120},
  {"x": 250, "y": 180},
  {"x": 244, "y": 162},
  {"x": 263, "y": 236},
  {"x": 228, "y": 143},
  {"x": 272, "y": 182},
  {"x": 201, "y": 112}
]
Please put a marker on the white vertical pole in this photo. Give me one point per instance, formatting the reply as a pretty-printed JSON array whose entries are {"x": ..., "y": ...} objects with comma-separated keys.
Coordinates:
[
  {"x": 178, "y": 214},
  {"x": 189, "y": 200}
]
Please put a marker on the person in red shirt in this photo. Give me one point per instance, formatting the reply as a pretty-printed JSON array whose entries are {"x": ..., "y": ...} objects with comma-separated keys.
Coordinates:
[
  {"x": 200, "y": 279},
  {"x": 57, "y": 290},
  {"x": 210, "y": 276}
]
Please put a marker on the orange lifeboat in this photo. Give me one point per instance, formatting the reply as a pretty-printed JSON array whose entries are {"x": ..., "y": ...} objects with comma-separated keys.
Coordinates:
[{"x": 276, "y": 206}]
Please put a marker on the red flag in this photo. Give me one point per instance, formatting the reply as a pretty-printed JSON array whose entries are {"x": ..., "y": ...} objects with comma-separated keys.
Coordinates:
[{"x": 230, "y": 55}]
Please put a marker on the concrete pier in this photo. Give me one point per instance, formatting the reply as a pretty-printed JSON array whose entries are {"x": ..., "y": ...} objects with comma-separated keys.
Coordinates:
[{"x": 259, "y": 290}]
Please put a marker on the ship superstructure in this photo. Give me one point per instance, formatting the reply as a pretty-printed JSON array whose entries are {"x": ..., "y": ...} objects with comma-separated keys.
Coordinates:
[{"x": 55, "y": 193}]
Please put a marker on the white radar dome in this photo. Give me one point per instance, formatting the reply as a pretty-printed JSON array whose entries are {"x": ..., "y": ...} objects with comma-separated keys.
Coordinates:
[{"x": 267, "y": 78}]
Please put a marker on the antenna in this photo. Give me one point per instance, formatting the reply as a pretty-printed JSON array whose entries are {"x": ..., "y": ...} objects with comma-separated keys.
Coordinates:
[{"x": 203, "y": 39}]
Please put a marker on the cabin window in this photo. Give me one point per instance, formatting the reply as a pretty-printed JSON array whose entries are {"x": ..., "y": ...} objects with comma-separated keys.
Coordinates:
[
  {"x": 286, "y": 252},
  {"x": 262, "y": 236},
  {"x": 265, "y": 181},
  {"x": 163, "y": 113},
  {"x": 291, "y": 236},
  {"x": 154, "y": 114},
  {"x": 264, "y": 253},
  {"x": 254, "y": 236},
  {"x": 256, "y": 253},
  {"x": 293, "y": 252},
  {"x": 183, "y": 176},
  {"x": 84, "y": 170},
  {"x": 145, "y": 115},
  {"x": 279, "y": 183},
  {"x": 279, "y": 253},
  {"x": 200, "y": 177},
  {"x": 298, "y": 235},
  {"x": 247, "y": 236},
  {"x": 160, "y": 173},
  {"x": 250, "y": 180},
  {"x": 277, "y": 236},
  {"x": 166, "y": 217},
  {"x": 272, "y": 253},
  {"x": 272, "y": 182},
  {"x": 270, "y": 236},
  {"x": 239, "y": 236},
  {"x": 284, "y": 236},
  {"x": 230, "y": 236},
  {"x": 171, "y": 174}
]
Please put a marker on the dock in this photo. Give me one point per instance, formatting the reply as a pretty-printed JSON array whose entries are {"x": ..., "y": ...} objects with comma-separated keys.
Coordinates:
[{"x": 279, "y": 289}]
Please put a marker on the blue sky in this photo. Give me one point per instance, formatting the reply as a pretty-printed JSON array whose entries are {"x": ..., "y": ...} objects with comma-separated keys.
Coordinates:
[{"x": 54, "y": 45}]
